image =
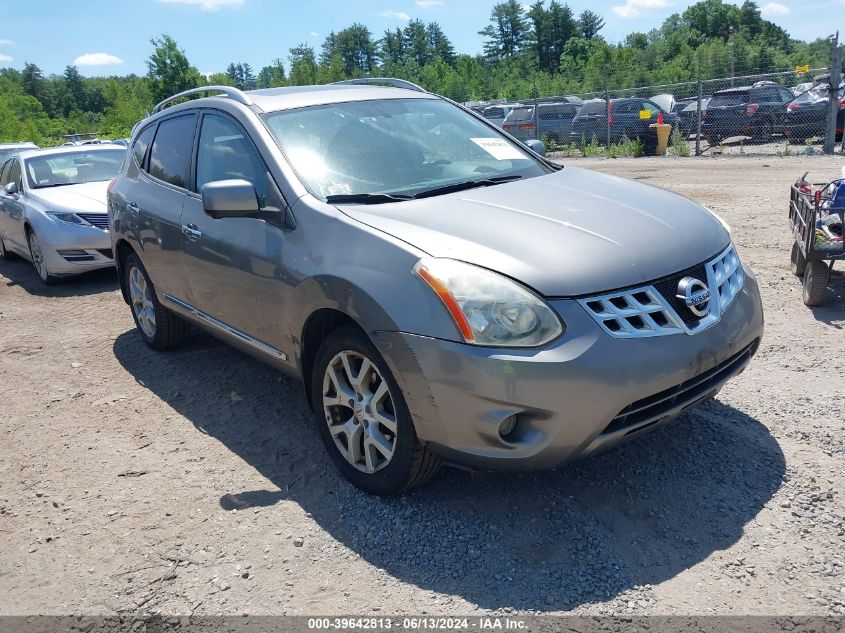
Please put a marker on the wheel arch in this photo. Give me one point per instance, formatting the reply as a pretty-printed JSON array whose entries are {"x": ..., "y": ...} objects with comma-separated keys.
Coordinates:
[{"x": 122, "y": 250}]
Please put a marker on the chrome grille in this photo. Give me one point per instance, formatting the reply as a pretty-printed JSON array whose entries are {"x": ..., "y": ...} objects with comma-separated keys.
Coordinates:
[
  {"x": 655, "y": 310},
  {"x": 728, "y": 277},
  {"x": 100, "y": 220},
  {"x": 634, "y": 313}
]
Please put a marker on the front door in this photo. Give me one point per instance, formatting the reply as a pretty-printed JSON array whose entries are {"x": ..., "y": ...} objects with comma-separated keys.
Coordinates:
[{"x": 234, "y": 266}]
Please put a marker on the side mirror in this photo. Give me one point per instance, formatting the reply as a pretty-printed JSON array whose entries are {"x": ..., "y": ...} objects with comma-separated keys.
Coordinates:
[
  {"x": 229, "y": 198},
  {"x": 11, "y": 189},
  {"x": 536, "y": 146}
]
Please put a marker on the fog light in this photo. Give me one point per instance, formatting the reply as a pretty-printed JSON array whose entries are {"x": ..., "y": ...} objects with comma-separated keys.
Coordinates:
[{"x": 508, "y": 426}]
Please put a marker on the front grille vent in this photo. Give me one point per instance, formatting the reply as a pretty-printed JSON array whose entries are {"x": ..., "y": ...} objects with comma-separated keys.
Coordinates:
[
  {"x": 100, "y": 220},
  {"x": 656, "y": 310}
]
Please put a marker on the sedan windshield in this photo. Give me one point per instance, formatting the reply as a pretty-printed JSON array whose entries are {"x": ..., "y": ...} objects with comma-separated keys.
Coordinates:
[
  {"x": 403, "y": 147},
  {"x": 73, "y": 168}
]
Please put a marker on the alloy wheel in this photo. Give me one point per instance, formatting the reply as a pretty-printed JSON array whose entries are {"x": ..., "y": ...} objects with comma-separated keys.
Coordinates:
[
  {"x": 37, "y": 256},
  {"x": 359, "y": 411},
  {"x": 142, "y": 302}
]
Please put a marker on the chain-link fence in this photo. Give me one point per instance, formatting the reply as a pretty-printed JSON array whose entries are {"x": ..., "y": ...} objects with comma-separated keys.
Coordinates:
[{"x": 787, "y": 112}]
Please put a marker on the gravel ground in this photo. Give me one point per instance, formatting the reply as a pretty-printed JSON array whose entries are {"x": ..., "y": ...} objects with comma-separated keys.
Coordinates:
[{"x": 133, "y": 482}]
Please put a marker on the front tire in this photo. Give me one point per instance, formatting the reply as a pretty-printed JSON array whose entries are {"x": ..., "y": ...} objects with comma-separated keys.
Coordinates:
[
  {"x": 158, "y": 326},
  {"x": 816, "y": 277},
  {"x": 36, "y": 256},
  {"x": 363, "y": 419}
]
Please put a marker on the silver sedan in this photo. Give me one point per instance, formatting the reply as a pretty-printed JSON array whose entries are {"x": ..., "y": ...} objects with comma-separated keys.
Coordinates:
[{"x": 53, "y": 208}]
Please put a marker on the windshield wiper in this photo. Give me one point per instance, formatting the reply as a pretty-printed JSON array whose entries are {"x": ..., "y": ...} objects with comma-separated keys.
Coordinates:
[
  {"x": 55, "y": 184},
  {"x": 465, "y": 184},
  {"x": 366, "y": 198}
]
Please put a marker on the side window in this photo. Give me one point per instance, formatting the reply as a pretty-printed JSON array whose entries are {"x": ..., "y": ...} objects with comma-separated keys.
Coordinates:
[
  {"x": 170, "y": 156},
  {"x": 4, "y": 173},
  {"x": 626, "y": 107},
  {"x": 224, "y": 153},
  {"x": 15, "y": 174},
  {"x": 142, "y": 142},
  {"x": 785, "y": 95}
]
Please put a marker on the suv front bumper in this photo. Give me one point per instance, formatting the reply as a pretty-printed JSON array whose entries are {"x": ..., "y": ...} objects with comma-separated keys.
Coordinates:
[{"x": 581, "y": 394}]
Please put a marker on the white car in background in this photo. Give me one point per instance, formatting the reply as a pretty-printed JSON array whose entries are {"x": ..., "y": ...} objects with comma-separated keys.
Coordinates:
[{"x": 53, "y": 208}]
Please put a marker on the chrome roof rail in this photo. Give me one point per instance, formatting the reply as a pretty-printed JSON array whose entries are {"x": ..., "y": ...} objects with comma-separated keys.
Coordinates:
[
  {"x": 376, "y": 81},
  {"x": 232, "y": 93}
]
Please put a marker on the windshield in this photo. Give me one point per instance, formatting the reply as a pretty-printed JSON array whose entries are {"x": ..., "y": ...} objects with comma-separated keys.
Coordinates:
[
  {"x": 73, "y": 168},
  {"x": 396, "y": 146},
  {"x": 8, "y": 152},
  {"x": 817, "y": 94}
]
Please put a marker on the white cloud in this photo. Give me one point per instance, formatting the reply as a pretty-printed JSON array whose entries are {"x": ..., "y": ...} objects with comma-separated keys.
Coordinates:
[
  {"x": 6, "y": 42},
  {"x": 97, "y": 59},
  {"x": 395, "y": 15},
  {"x": 6, "y": 58},
  {"x": 427, "y": 4},
  {"x": 314, "y": 34},
  {"x": 208, "y": 5},
  {"x": 635, "y": 8},
  {"x": 776, "y": 8}
]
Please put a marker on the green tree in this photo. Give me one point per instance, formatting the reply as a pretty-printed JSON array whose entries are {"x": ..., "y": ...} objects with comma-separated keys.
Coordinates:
[
  {"x": 169, "y": 70},
  {"x": 508, "y": 32},
  {"x": 272, "y": 76},
  {"x": 590, "y": 24},
  {"x": 439, "y": 45},
  {"x": 303, "y": 65}
]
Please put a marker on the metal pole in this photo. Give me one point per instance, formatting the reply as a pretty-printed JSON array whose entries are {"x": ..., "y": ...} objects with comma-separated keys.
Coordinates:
[
  {"x": 833, "y": 102},
  {"x": 607, "y": 106},
  {"x": 698, "y": 114}
]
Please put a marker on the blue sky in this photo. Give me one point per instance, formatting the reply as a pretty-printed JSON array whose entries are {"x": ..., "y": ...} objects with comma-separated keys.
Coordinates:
[{"x": 112, "y": 37}]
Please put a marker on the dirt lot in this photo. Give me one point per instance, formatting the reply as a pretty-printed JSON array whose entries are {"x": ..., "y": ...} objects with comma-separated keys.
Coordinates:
[{"x": 193, "y": 481}]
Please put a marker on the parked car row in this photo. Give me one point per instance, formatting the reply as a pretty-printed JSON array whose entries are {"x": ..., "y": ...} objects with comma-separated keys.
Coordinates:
[{"x": 760, "y": 111}]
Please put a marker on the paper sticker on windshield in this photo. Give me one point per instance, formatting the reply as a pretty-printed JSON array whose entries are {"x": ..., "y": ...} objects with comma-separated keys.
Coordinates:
[{"x": 498, "y": 148}]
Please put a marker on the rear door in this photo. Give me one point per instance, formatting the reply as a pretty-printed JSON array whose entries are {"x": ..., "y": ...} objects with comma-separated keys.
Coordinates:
[
  {"x": 234, "y": 266},
  {"x": 158, "y": 200}
]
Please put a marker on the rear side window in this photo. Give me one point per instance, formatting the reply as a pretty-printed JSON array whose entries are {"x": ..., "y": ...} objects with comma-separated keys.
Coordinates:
[
  {"x": 15, "y": 174},
  {"x": 170, "y": 156},
  {"x": 224, "y": 153},
  {"x": 139, "y": 148},
  {"x": 728, "y": 99},
  {"x": 4, "y": 173},
  {"x": 494, "y": 113},
  {"x": 594, "y": 107}
]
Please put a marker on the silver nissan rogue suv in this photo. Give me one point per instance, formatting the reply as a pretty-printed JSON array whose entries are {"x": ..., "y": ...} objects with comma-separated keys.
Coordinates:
[{"x": 444, "y": 292}]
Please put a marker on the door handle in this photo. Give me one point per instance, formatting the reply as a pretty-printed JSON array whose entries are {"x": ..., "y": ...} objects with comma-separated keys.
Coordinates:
[
  {"x": 134, "y": 208},
  {"x": 191, "y": 232}
]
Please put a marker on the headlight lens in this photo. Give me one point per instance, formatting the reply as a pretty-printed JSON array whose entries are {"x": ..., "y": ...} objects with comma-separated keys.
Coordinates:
[
  {"x": 70, "y": 218},
  {"x": 489, "y": 309}
]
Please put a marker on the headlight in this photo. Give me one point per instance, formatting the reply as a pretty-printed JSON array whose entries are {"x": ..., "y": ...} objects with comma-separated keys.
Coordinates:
[
  {"x": 70, "y": 218},
  {"x": 489, "y": 309}
]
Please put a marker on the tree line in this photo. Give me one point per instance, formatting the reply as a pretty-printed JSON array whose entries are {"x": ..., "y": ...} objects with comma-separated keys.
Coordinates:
[{"x": 543, "y": 49}]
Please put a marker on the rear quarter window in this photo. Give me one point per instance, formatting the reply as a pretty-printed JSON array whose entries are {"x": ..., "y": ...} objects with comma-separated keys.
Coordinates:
[
  {"x": 728, "y": 99},
  {"x": 596, "y": 107},
  {"x": 139, "y": 148}
]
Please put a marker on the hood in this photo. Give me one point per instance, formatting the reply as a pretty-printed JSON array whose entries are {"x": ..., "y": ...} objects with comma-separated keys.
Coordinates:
[
  {"x": 89, "y": 197},
  {"x": 573, "y": 232}
]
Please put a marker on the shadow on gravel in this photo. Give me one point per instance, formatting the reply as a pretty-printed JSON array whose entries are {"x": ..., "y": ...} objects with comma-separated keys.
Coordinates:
[
  {"x": 19, "y": 272},
  {"x": 585, "y": 532}
]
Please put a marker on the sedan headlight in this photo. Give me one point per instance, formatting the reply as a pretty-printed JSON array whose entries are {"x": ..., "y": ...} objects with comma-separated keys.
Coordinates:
[
  {"x": 70, "y": 218},
  {"x": 489, "y": 309}
]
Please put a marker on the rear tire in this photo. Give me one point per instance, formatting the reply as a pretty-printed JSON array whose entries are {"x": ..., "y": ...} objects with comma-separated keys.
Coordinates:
[
  {"x": 797, "y": 261},
  {"x": 361, "y": 414},
  {"x": 159, "y": 327},
  {"x": 816, "y": 277}
]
